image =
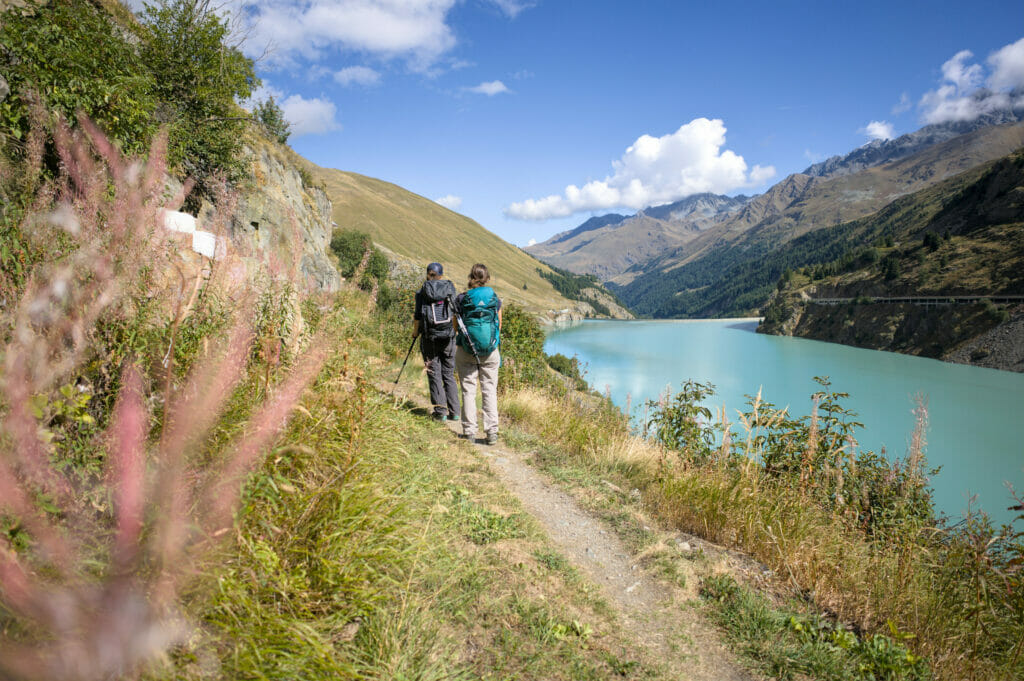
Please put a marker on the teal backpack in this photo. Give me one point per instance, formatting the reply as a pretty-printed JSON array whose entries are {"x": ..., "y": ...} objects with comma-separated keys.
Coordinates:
[{"x": 479, "y": 311}]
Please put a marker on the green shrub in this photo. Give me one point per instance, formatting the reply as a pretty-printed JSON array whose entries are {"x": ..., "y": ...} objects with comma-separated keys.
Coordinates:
[
  {"x": 393, "y": 318},
  {"x": 178, "y": 69},
  {"x": 682, "y": 422},
  {"x": 352, "y": 247},
  {"x": 78, "y": 61},
  {"x": 271, "y": 117},
  {"x": 789, "y": 643},
  {"x": 568, "y": 367},
  {"x": 995, "y": 312},
  {"x": 198, "y": 76},
  {"x": 308, "y": 181},
  {"x": 809, "y": 453},
  {"x": 522, "y": 347}
]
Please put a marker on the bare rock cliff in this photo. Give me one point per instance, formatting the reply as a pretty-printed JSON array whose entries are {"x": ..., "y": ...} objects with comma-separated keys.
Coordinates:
[{"x": 284, "y": 217}]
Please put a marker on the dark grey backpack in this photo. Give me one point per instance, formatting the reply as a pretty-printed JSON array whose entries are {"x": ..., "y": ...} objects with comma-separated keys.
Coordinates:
[{"x": 435, "y": 309}]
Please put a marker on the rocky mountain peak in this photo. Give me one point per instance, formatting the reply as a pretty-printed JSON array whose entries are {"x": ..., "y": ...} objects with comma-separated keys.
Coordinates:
[{"x": 879, "y": 152}]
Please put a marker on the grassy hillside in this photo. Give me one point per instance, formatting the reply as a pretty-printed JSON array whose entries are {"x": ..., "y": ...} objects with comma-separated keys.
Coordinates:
[{"x": 421, "y": 230}]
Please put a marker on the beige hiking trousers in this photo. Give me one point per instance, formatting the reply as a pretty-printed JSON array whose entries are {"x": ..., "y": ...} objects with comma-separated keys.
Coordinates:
[{"x": 487, "y": 376}]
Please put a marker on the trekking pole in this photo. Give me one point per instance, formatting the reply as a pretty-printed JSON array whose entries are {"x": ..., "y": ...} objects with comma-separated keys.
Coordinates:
[
  {"x": 411, "y": 345},
  {"x": 465, "y": 332}
]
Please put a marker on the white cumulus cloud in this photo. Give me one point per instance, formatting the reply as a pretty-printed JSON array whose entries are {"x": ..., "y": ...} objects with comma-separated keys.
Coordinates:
[
  {"x": 357, "y": 75},
  {"x": 878, "y": 130},
  {"x": 961, "y": 74},
  {"x": 1007, "y": 67},
  {"x": 310, "y": 116},
  {"x": 653, "y": 171},
  {"x": 292, "y": 30},
  {"x": 965, "y": 92},
  {"x": 531, "y": 242},
  {"x": 450, "y": 201},
  {"x": 494, "y": 87}
]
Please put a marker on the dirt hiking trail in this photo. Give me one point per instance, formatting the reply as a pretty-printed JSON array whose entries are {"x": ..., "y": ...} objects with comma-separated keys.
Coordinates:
[{"x": 655, "y": 613}]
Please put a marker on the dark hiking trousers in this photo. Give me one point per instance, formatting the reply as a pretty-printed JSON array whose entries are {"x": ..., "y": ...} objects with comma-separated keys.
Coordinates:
[{"x": 439, "y": 359}]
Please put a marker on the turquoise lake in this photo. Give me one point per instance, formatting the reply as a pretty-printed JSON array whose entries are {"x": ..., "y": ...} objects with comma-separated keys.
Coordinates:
[{"x": 975, "y": 417}]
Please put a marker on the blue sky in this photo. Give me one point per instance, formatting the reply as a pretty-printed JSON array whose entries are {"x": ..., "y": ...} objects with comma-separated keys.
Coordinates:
[{"x": 532, "y": 116}]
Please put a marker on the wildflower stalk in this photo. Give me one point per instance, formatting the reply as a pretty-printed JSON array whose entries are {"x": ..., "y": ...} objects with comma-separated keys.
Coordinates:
[{"x": 93, "y": 595}]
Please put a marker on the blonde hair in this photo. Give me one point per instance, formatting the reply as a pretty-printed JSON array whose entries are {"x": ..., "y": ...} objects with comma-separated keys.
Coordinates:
[{"x": 478, "y": 275}]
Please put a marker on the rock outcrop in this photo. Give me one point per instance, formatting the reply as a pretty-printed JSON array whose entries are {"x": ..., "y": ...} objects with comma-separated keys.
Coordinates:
[
  {"x": 283, "y": 217},
  {"x": 283, "y": 207}
]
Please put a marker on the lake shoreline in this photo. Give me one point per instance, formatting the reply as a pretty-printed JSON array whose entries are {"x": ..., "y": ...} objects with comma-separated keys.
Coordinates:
[
  {"x": 970, "y": 408},
  {"x": 972, "y": 334},
  {"x": 574, "y": 322}
]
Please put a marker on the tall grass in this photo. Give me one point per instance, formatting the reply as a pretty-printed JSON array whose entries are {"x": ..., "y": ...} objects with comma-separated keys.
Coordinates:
[
  {"x": 844, "y": 528},
  {"x": 108, "y": 487},
  {"x": 320, "y": 548},
  {"x": 371, "y": 546}
]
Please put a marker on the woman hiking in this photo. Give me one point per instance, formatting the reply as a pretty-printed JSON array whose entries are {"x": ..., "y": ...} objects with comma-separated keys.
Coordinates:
[{"x": 477, "y": 358}]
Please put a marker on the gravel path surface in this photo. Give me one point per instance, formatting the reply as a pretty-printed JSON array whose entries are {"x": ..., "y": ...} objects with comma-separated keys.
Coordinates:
[
  {"x": 654, "y": 613},
  {"x": 675, "y": 635}
]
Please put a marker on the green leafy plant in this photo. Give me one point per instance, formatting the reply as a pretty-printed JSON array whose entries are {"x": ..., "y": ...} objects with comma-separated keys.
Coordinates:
[
  {"x": 198, "y": 76},
  {"x": 789, "y": 644},
  {"x": 482, "y": 525},
  {"x": 177, "y": 69},
  {"x": 358, "y": 258},
  {"x": 522, "y": 347},
  {"x": 568, "y": 367},
  {"x": 270, "y": 115},
  {"x": 682, "y": 422},
  {"x": 75, "y": 59}
]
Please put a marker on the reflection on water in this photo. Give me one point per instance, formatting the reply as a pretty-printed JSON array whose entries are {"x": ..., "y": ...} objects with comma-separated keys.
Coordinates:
[
  {"x": 974, "y": 413},
  {"x": 750, "y": 326}
]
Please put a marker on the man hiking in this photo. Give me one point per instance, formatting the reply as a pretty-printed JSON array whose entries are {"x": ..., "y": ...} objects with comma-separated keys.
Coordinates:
[
  {"x": 432, "y": 319},
  {"x": 477, "y": 358}
]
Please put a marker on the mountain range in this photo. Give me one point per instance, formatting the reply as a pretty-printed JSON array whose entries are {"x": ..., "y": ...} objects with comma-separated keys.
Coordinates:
[
  {"x": 961, "y": 237},
  {"x": 683, "y": 259},
  {"x": 878, "y": 152},
  {"x": 608, "y": 245}
]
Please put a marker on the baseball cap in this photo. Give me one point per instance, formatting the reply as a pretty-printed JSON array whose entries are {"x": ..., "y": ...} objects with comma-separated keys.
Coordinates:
[{"x": 435, "y": 267}]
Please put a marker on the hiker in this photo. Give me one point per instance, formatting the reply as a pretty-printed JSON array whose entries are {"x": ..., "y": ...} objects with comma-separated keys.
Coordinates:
[
  {"x": 433, "y": 319},
  {"x": 476, "y": 357}
]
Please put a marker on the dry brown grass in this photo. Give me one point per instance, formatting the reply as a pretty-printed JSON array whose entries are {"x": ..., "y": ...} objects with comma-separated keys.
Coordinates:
[{"x": 876, "y": 586}]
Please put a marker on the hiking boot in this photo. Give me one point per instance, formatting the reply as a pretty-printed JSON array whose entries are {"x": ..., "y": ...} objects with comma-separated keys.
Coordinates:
[
  {"x": 468, "y": 436},
  {"x": 492, "y": 438},
  {"x": 438, "y": 416},
  {"x": 453, "y": 417}
]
